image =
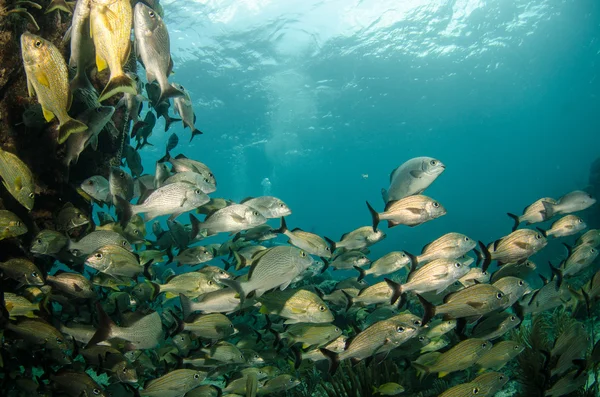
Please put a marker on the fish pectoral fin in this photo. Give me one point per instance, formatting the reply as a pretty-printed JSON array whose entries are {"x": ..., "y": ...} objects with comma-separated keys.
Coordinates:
[
  {"x": 237, "y": 218},
  {"x": 415, "y": 210},
  {"x": 523, "y": 245},
  {"x": 42, "y": 78},
  {"x": 18, "y": 183},
  {"x": 442, "y": 374},
  {"x": 475, "y": 305},
  {"x": 416, "y": 173},
  {"x": 77, "y": 287},
  {"x": 441, "y": 275},
  {"x": 48, "y": 115},
  {"x": 298, "y": 310},
  {"x": 183, "y": 201},
  {"x": 100, "y": 63}
]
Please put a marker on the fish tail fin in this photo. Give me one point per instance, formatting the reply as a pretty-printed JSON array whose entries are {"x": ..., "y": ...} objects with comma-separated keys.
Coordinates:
[
  {"x": 548, "y": 211},
  {"x": 331, "y": 243},
  {"x": 71, "y": 126},
  {"x": 179, "y": 327},
  {"x": 544, "y": 232},
  {"x": 412, "y": 261},
  {"x": 178, "y": 359},
  {"x": 485, "y": 256},
  {"x": 226, "y": 265},
  {"x": 516, "y": 219},
  {"x": 297, "y": 356},
  {"x": 325, "y": 265},
  {"x": 556, "y": 273},
  {"x": 374, "y": 217},
  {"x": 333, "y": 359},
  {"x": 61, "y": 5},
  {"x": 170, "y": 91},
  {"x": 186, "y": 305},
  {"x": 104, "y": 327},
  {"x": 165, "y": 158},
  {"x": 349, "y": 300},
  {"x": 429, "y": 310},
  {"x": 283, "y": 228},
  {"x": 120, "y": 83},
  {"x": 396, "y": 290},
  {"x": 195, "y": 132},
  {"x": 195, "y": 226},
  {"x": 361, "y": 273},
  {"x": 240, "y": 261},
  {"x": 237, "y": 287},
  {"x": 422, "y": 370},
  {"x": 155, "y": 290},
  {"x": 169, "y": 121},
  {"x": 126, "y": 210},
  {"x": 80, "y": 81}
]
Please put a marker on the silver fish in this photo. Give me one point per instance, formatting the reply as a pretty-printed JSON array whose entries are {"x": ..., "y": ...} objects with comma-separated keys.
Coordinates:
[{"x": 412, "y": 177}]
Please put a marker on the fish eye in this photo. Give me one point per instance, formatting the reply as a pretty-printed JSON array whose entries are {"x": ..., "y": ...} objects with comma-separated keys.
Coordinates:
[
  {"x": 122, "y": 174},
  {"x": 206, "y": 180},
  {"x": 417, "y": 323},
  {"x": 484, "y": 345},
  {"x": 302, "y": 254},
  {"x": 538, "y": 236},
  {"x": 466, "y": 238},
  {"x": 81, "y": 215},
  {"x": 124, "y": 370},
  {"x": 34, "y": 274},
  {"x": 436, "y": 204},
  {"x": 31, "y": 195},
  {"x": 197, "y": 191},
  {"x": 499, "y": 295},
  {"x": 39, "y": 240},
  {"x": 230, "y": 325},
  {"x": 151, "y": 13},
  {"x": 501, "y": 377},
  {"x": 91, "y": 183},
  {"x": 484, "y": 273},
  {"x": 517, "y": 347},
  {"x": 337, "y": 329},
  {"x": 327, "y": 249},
  {"x": 399, "y": 329},
  {"x": 96, "y": 391},
  {"x": 196, "y": 376},
  {"x": 98, "y": 255},
  {"x": 210, "y": 282},
  {"x": 322, "y": 308},
  {"x": 255, "y": 213},
  {"x": 579, "y": 220},
  {"x": 513, "y": 318},
  {"x": 433, "y": 162},
  {"x": 37, "y": 44},
  {"x": 475, "y": 390},
  {"x": 590, "y": 196},
  {"x": 136, "y": 232},
  {"x": 421, "y": 339},
  {"x": 457, "y": 264},
  {"x": 58, "y": 340},
  {"x": 593, "y": 251},
  {"x": 521, "y": 283}
]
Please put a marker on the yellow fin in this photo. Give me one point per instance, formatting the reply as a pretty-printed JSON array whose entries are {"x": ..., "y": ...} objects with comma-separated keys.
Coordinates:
[
  {"x": 170, "y": 295},
  {"x": 9, "y": 306},
  {"x": 442, "y": 374},
  {"x": 297, "y": 310},
  {"x": 48, "y": 115},
  {"x": 30, "y": 89},
  {"x": 18, "y": 183},
  {"x": 42, "y": 78},
  {"x": 30, "y": 314},
  {"x": 100, "y": 63},
  {"x": 263, "y": 310}
]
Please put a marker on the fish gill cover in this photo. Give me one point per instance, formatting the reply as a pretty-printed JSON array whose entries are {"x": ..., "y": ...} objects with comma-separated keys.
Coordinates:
[{"x": 184, "y": 186}]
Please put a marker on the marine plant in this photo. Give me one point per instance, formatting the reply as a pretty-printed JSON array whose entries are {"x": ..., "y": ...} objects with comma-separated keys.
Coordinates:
[{"x": 19, "y": 9}]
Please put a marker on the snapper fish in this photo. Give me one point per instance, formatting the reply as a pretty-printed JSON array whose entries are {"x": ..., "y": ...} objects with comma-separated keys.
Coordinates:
[
  {"x": 410, "y": 211},
  {"x": 412, "y": 177}
]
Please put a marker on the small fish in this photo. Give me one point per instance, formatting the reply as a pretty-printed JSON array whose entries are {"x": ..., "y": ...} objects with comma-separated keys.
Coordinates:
[
  {"x": 214, "y": 326},
  {"x": 458, "y": 358},
  {"x": 388, "y": 389},
  {"x": 566, "y": 226},
  {"x": 10, "y": 225},
  {"x": 76, "y": 384},
  {"x": 82, "y": 46},
  {"x": 490, "y": 382},
  {"x": 568, "y": 384},
  {"x": 580, "y": 258},
  {"x": 110, "y": 27},
  {"x": 175, "y": 383},
  {"x": 275, "y": 268},
  {"x": 72, "y": 284},
  {"x": 232, "y": 219},
  {"x": 516, "y": 247},
  {"x": 182, "y": 164},
  {"x": 115, "y": 261},
  {"x": 40, "y": 333},
  {"x": 96, "y": 240},
  {"x": 360, "y": 238},
  {"x": 440, "y": 328},
  {"x": 191, "y": 284},
  {"x": 551, "y": 295},
  {"x": 539, "y": 211},
  {"x": 194, "y": 178},
  {"x": 145, "y": 333},
  {"x": 436, "y": 275},
  {"x": 279, "y": 384},
  {"x": 110, "y": 359},
  {"x": 183, "y": 106},
  {"x": 18, "y": 306},
  {"x": 591, "y": 237},
  {"x": 161, "y": 173},
  {"x": 153, "y": 47},
  {"x": 520, "y": 270},
  {"x": 495, "y": 325},
  {"x": 311, "y": 243},
  {"x": 451, "y": 246},
  {"x": 297, "y": 306},
  {"x": 134, "y": 161},
  {"x": 412, "y": 178},
  {"x": 410, "y": 211},
  {"x": 17, "y": 179},
  {"x": 259, "y": 233},
  {"x": 308, "y": 335},
  {"x": 435, "y": 345},
  {"x": 270, "y": 207},
  {"x": 513, "y": 288},
  {"x": 97, "y": 188},
  {"x": 572, "y": 202},
  {"x": 173, "y": 199},
  {"x": 69, "y": 218},
  {"x": 389, "y": 263},
  {"x": 120, "y": 184},
  {"x": 474, "y": 276},
  {"x": 473, "y": 301},
  {"x": 22, "y": 270},
  {"x": 500, "y": 354},
  {"x": 348, "y": 260},
  {"x": 48, "y": 79},
  {"x": 95, "y": 119},
  {"x": 224, "y": 300},
  {"x": 193, "y": 256}
]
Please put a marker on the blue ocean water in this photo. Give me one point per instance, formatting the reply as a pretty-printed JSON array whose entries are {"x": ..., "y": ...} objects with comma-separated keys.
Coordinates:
[{"x": 326, "y": 98}]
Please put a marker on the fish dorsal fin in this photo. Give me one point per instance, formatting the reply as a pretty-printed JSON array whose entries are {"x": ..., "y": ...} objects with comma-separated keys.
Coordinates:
[
  {"x": 180, "y": 156},
  {"x": 393, "y": 173},
  {"x": 296, "y": 229},
  {"x": 259, "y": 254},
  {"x": 246, "y": 199},
  {"x": 344, "y": 236},
  {"x": 425, "y": 248},
  {"x": 389, "y": 204}
]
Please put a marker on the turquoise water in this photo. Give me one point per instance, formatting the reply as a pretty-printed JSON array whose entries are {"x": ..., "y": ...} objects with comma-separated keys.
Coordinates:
[{"x": 316, "y": 95}]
